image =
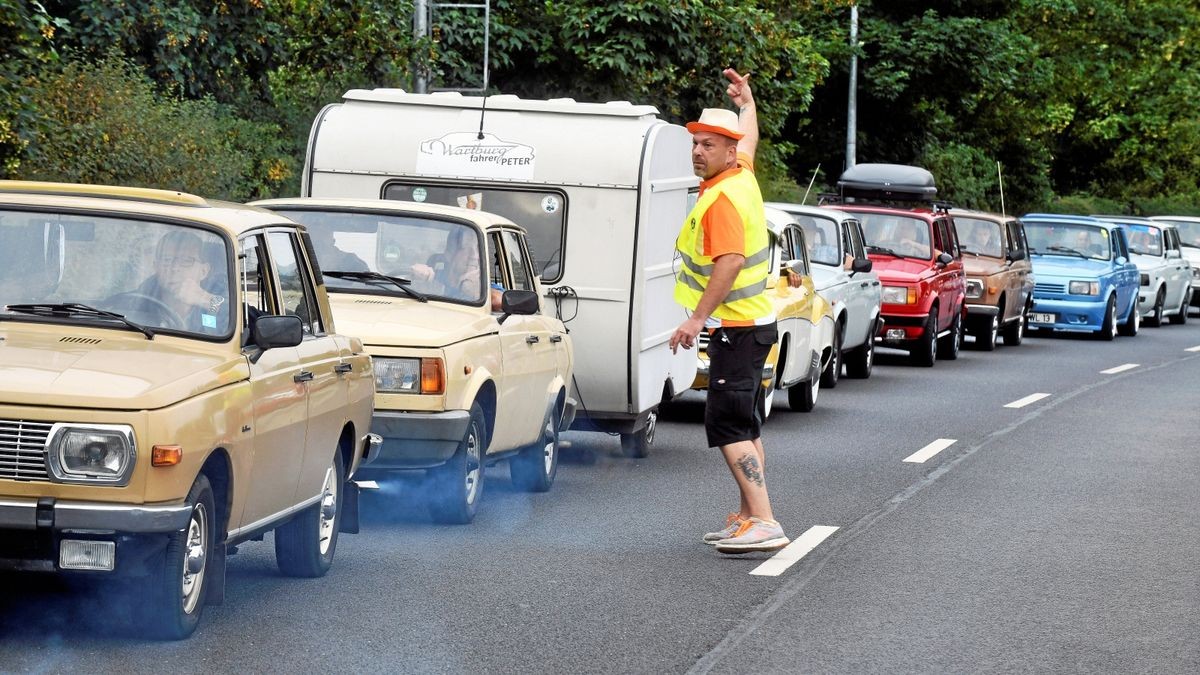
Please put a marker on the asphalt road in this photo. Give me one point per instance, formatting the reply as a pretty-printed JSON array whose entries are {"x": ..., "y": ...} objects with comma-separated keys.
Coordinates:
[{"x": 1058, "y": 536}]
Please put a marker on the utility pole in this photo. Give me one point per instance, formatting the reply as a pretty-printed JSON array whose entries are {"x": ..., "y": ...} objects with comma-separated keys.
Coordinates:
[
  {"x": 421, "y": 31},
  {"x": 852, "y": 101}
]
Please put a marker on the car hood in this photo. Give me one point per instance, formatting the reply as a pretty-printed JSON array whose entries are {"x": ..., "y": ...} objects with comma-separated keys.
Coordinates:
[
  {"x": 1192, "y": 255},
  {"x": 1148, "y": 263},
  {"x": 1060, "y": 266},
  {"x": 403, "y": 322},
  {"x": 900, "y": 269},
  {"x": 982, "y": 266},
  {"x": 71, "y": 367}
]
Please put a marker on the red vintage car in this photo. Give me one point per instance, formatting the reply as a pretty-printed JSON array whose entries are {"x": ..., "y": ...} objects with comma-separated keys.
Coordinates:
[{"x": 912, "y": 241}]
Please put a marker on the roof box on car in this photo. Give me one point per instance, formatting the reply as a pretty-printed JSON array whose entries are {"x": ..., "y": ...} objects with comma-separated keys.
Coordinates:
[{"x": 887, "y": 182}]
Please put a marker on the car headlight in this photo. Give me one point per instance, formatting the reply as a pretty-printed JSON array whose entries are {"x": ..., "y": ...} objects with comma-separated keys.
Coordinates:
[
  {"x": 899, "y": 295},
  {"x": 93, "y": 453},
  {"x": 1145, "y": 279},
  {"x": 1084, "y": 288},
  {"x": 409, "y": 376},
  {"x": 974, "y": 288}
]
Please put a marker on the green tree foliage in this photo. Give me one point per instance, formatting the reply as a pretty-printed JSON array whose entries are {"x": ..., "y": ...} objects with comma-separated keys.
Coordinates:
[
  {"x": 107, "y": 124},
  {"x": 26, "y": 46}
]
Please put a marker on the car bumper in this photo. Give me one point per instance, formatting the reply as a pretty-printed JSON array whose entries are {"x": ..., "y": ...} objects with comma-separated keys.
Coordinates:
[
  {"x": 417, "y": 440},
  {"x": 896, "y": 330},
  {"x": 1070, "y": 315},
  {"x": 48, "y": 513}
]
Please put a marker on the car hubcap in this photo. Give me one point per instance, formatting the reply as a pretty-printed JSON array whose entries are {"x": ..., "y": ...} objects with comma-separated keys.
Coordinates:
[
  {"x": 816, "y": 388},
  {"x": 471, "y": 480},
  {"x": 549, "y": 448},
  {"x": 651, "y": 422},
  {"x": 329, "y": 498},
  {"x": 195, "y": 558}
]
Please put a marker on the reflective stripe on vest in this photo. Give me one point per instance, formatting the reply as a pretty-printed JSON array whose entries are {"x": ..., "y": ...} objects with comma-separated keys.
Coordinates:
[{"x": 745, "y": 301}]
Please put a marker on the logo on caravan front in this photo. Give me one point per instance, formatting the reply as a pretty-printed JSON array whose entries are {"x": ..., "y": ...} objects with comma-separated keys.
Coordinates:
[{"x": 463, "y": 153}]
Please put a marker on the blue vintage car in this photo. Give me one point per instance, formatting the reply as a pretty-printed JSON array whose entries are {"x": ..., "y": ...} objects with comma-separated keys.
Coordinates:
[{"x": 1085, "y": 279}]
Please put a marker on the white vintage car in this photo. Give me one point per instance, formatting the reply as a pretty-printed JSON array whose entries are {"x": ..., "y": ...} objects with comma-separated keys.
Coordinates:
[
  {"x": 842, "y": 274},
  {"x": 1189, "y": 238},
  {"x": 1165, "y": 283},
  {"x": 805, "y": 322}
]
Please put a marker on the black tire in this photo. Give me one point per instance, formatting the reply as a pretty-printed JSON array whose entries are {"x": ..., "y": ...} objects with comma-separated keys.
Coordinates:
[
  {"x": 304, "y": 546},
  {"x": 952, "y": 343},
  {"x": 924, "y": 353},
  {"x": 458, "y": 484},
  {"x": 861, "y": 359},
  {"x": 1181, "y": 317},
  {"x": 833, "y": 369},
  {"x": 177, "y": 588},
  {"x": 1108, "y": 329},
  {"x": 534, "y": 468},
  {"x": 636, "y": 445},
  {"x": 985, "y": 338},
  {"x": 1131, "y": 325},
  {"x": 802, "y": 396},
  {"x": 1155, "y": 318},
  {"x": 1014, "y": 331}
]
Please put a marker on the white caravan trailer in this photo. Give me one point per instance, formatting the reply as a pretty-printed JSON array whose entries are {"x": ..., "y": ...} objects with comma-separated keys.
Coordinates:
[{"x": 601, "y": 188}]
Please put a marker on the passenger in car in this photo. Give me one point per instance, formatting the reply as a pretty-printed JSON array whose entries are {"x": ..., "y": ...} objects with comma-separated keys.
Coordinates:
[
  {"x": 175, "y": 292},
  {"x": 456, "y": 271}
]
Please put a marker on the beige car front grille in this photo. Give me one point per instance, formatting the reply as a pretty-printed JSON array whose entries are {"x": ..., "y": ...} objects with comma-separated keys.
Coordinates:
[{"x": 23, "y": 449}]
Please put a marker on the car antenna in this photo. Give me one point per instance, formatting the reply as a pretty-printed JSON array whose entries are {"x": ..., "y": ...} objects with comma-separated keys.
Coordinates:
[
  {"x": 999, "y": 175},
  {"x": 810, "y": 184},
  {"x": 482, "y": 112}
]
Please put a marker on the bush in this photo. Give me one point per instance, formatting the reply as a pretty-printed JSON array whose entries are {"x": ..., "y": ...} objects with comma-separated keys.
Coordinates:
[
  {"x": 105, "y": 123},
  {"x": 1085, "y": 204}
]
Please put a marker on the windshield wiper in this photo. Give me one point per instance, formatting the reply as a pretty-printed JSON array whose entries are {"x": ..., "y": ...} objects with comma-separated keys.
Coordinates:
[
  {"x": 968, "y": 250},
  {"x": 1190, "y": 245},
  {"x": 377, "y": 278},
  {"x": 1068, "y": 249},
  {"x": 888, "y": 251},
  {"x": 78, "y": 309}
]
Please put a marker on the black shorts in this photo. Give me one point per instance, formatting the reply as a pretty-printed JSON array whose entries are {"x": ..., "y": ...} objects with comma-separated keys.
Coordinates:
[{"x": 735, "y": 409}]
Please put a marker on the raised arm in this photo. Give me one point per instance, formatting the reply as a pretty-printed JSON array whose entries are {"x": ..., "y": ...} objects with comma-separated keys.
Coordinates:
[{"x": 739, "y": 92}]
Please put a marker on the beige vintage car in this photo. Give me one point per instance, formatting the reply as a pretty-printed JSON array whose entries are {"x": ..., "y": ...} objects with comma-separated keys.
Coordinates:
[
  {"x": 171, "y": 384},
  {"x": 999, "y": 276},
  {"x": 471, "y": 365}
]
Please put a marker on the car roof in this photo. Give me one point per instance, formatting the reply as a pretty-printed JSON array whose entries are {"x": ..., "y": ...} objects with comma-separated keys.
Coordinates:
[
  {"x": 120, "y": 201},
  {"x": 922, "y": 214},
  {"x": 1067, "y": 219},
  {"x": 482, "y": 219},
  {"x": 1177, "y": 219},
  {"x": 981, "y": 215},
  {"x": 815, "y": 211}
]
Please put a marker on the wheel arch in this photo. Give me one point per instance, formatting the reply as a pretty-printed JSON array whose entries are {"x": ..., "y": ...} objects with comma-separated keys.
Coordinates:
[
  {"x": 486, "y": 397},
  {"x": 218, "y": 467}
]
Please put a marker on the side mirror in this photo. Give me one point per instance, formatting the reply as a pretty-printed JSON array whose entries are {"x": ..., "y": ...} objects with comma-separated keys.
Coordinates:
[
  {"x": 273, "y": 331},
  {"x": 1014, "y": 256},
  {"x": 1173, "y": 254},
  {"x": 944, "y": 259},
  {"x": 519, "y": 303},
  {"x": 861, "y": 265},
  {"x": 1121, "y": 260}
]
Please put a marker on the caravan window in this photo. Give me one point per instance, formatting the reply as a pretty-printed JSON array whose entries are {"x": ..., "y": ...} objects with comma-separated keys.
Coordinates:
[{"x": 543, "y": 214}]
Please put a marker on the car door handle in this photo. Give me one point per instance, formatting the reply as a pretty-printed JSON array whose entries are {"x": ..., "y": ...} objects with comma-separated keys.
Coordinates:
[
  {"x": 864, "y": 284},
  {"x": 532, "y": 339},
  {"x": 303, "y": 376},
  {"x": 556, "y": 338},
  {"x": 343, "y": 368},
  {"x": 874, "y": 283}
]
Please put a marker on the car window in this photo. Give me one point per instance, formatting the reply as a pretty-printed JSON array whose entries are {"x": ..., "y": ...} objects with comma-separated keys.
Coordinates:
[
  {"x": 165, "y": 276},
  {"x": 949, "y": 243},
  {"x": 1170, "y": 241},
  {"x": 518, "y": 262},
  {"x": 1145, "y": 239},
  {"x": 794, "y": 251},
  {"x": 542, "y": 213},
  {"x": 1189, "y": 232},
  {"x": 1069, "y": 240},
  {"x": 1119, "y": 246},
  {"x": 295, "y": 285},
  {"x": 1016, "y": 238},
  {"x": 822, "y": 239},
  {"x": 438, "y": 258},
  {"x": 854, "y": 230},
  {"x": 253, "y": 277},
  {"x": 904, "y": 235},
  {"x": 980, "y": 236}
]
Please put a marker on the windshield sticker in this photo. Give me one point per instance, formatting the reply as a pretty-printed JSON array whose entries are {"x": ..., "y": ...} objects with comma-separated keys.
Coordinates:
[
  {"x": 464, "y": 153},
  {"x": 550, "y": 204},
  {"x": 419, "y": 194},
  {"x": 472, "y": 201}
]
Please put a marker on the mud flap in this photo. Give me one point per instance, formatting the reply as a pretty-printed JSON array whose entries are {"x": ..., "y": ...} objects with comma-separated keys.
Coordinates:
[
  {"x": 215, "y": 595},
  {"x": 349, "y": 520}
]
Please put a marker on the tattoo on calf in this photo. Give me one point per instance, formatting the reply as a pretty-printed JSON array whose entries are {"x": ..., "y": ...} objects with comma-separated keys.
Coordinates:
[{"x": 749, "y": 466}]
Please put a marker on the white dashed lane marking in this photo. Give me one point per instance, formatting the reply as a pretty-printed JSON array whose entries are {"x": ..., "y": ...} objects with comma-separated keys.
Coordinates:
[
  {"x": 1193, "y": 349},
  {"x": 793, "y": 552},
  {"x": 1022, "y": 402},
  {"x": 1120, "y": 369},
  {"x": 930, "y": 450}
]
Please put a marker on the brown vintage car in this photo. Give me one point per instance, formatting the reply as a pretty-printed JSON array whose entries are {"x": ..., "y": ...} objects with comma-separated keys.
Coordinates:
[{"x": 999, "y": 276}]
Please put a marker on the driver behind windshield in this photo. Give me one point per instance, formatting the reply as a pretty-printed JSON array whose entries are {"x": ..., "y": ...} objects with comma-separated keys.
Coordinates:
[
  {"x": 175, "y": 294},
  {"x": 910, "y": 240}
]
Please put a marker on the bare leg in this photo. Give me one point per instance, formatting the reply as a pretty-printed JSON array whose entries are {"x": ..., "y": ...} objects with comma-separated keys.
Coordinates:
[
  {"x": 744, "y": 508},
  {"x": 745, "y": 463}
]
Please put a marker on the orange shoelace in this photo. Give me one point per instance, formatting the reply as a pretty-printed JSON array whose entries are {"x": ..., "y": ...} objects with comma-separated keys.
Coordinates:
[{"x": 743, "y": 528}]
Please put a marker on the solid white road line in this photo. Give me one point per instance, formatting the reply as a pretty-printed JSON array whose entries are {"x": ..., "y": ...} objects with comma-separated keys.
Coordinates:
[
  {"x": 1193, "y": 349},
  {"x": 1022, "y": 402},
  {"x": 930, "y": 450},
  {"x": 793, "y": 552},
  {"x": 1120, "y": 369}
]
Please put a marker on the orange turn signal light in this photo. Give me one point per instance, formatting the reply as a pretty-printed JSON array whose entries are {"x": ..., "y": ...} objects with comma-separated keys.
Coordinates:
[
  {"x": 166, "y": 455},
  {"x": 433, "y": 377}
]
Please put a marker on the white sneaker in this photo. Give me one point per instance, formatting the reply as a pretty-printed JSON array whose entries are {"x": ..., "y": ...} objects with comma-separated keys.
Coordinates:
[
  {"x": 754, "y": 534},
  {"x": 732, "y": 523}
]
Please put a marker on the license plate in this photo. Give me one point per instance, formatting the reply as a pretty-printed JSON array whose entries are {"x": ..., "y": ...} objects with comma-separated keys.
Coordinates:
[{"x": 1039, "y": 317}]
